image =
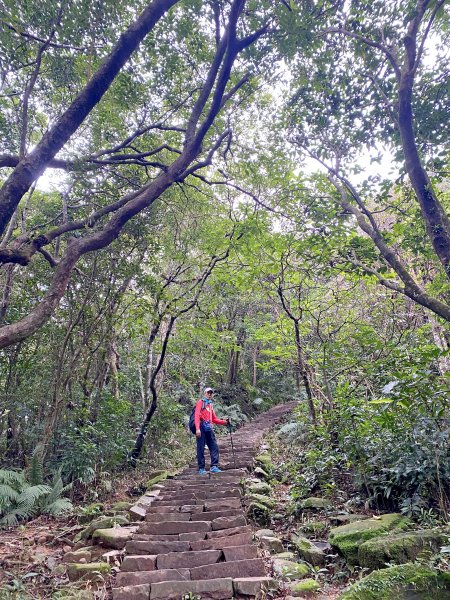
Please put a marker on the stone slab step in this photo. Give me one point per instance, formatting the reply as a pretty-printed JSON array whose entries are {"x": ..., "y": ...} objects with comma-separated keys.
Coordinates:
[
  {"x": 233, "y": 553},
  {"x": 156, "y": 547},
  {"x": 228, "y": 522},
  {"x": 254, "y": 567},
  {"x": 192, "y": 536},
  {"x": 176, "y": 560},
  {"x": 212, "y": 589},
  {"x": 253, "y": 586},
  {"x": 139, "y": 562},
  {"x": 176, "y": 527},
  {"x": 223, "y": 542},
  {"x": 175, "y": 516},
  {"x": 230, "y": 531},
  {"x": 145, "y": 577},
  {"x": 212, "y": 514},
  {"x": 132, "y": 592},
  {"x": 147, "y": 537},
  {"x": 222, "y": 503}
]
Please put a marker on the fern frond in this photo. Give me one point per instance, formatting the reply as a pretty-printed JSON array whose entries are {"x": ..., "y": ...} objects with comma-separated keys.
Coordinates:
[
  {"x": 11, "y": 477},
  {"x": 7, "y": 494},
  {"x": 57, "y": 507},
  {"x": 36, "y": 469},
  {"x": 30, "y": 495}
]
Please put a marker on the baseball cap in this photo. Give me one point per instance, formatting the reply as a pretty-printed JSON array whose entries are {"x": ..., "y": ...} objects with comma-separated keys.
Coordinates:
[{"x": 208, "y": 390}]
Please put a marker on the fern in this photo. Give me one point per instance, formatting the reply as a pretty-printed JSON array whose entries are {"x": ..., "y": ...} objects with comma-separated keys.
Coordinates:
[
  {"x": 10, "y": 477},
  {"x": 7, "y": 494},
  {"x": 57, "y": 507},
  {"x": 36, "y": 469}
]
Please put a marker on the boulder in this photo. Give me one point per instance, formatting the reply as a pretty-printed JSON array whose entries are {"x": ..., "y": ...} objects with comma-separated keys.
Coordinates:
[
  {"x": 287, "y": 569},
  {"x": 116, "y": 537},
  {"x": 272, "y": 544},
  {"x": 306, "y": 587},
  {"x": 259, "y": 472},
  {"x": 77, "y": 556},
  {"x": 260, "y": 488},
  {"x": 286, "y": 555},
  {"x": 253, "y": 586},
  {"x": 102, "y": 523},
  {"x": 308, "y": 551},
  {"x": 262, "y": 500},
  {"x": 88, "y": 572},
  {"x": 401, "y": 581},
  {"x": 264, "y": 533},
  {"x": 347, "y": 539},
  {"x": 259, "y": 513},
  {"x": 399, "y": 548},
  {"x": 264, "y": 461},
  {"x": 121, "y": 506},
  {"x": 315, "y": 504}
]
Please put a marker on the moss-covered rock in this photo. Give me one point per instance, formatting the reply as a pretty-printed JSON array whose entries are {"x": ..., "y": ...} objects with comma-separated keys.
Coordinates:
[
  {"x": 259, "y": 472},
  {"x": 315, "y": 504},
  {"x": 77, "y": 556},
  {"x": 401, "y": 582},
  {"x": 103, "y": 523},
  {"x": 121, "y": 506},
  {"x": 287, "y": 569},
  {"x": 262, "y": 500},
  {"x": 260, "y": 488},
  {"x": 259, "y": 513},
  {"x": 115, "y": 537},
  {"x": 273, "y": 544},
  {"x": 264, "y": 532},
  {"x": 88, "y": 572},
  {"x": 344, "y": 518},
  {"x": 306, "y": 587},
  {"x": 264, "y": 461},
  {"x": 308, "y": 551},
  {"x": 91, "y": 511},
  {"x": 399, "y": 548},
  {"x": 313, "y": 528},
  {"x": 156, "y": 477},
  {"x": 347, "y": 538},
  {"x": 286, "y": 555}
]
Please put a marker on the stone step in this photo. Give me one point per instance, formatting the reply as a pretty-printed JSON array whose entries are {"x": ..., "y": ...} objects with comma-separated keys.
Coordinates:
[
  {"x": 132, "y": 592},
  {"x": 218, "y": 543},
  {"x": 230, "y": 531},
  {"x": 145, "y": 577},
  {"x": 176, "y": 560},
  {"x": 175, "y": 516},
  {"x": 253, "y": 586},
  {"x": 213, "y": 514},
  {"x": 156, "y": 547},
  {"x": 148, "y": 537},
  {"x": 254, "y": 567},
  {"x": 222, "y": 504},
  {"x": 175, "y": 527},
  {"x": 228, "y": 522},
  {"x": 211, "y": 589},
  {"x": 234, "y": 553},
  {"x": 139, "y": 562}
]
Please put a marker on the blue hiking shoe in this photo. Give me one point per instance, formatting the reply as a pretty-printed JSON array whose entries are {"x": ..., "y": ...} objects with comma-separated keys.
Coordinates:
[
  {"x": 202, "y": 472},
  {"x": 215, "y": 470}
]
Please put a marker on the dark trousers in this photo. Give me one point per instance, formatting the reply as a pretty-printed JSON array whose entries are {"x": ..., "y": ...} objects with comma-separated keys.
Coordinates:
[{"x": 207, "y": 437}]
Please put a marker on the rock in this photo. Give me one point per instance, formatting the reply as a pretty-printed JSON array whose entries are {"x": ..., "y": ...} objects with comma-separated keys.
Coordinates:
[
  {"x": 272, "y": 544},
  {"x": 102, "y": 523},
  {"x": 259, "y": 513},
  {"x": 141, "y": 562},
  {"x": 188, "y": 560},
  {"x": 233, "y": 553},
  {"x": 264, "y": 533},
  {"x": 116, "y": 537},
  {"x": 401, "y": 581},
  {"x": 285, "y": 555},
  {"x": 76, "y": 556},
  {"x": 399, "y": 548},
  {"x": 156, "y": 477},
  {"x": 131, "y": 592},
  {"x": 156, "y": 547},
  {"x": 313, "y": 528},
  {"x": 253, "y": 586},
  {"x": 91, "y": 511},
  {"x": 253, "y": 567},
  {"x": 287, "y": 569},
  {"x": 347, "y": 538},
  {"x": 260, "y": 499},
  {"x": 259, "y": 472},
  {"x": 137, "y": 512},
  {"x": 315, "y": 504},
  {"x": 88, "y": 572},
  {"x": 219, "y": 543},
  {"x": 260, "y": 488},
  {"x": 345, "y": 518},
  {"x": 306, "y": 587},
  {"x": 124, "y": 578},
  {"x": 227, "y": 522},
  {"x": 264, "y": 461},
  {"x": 308, "y": 551}
]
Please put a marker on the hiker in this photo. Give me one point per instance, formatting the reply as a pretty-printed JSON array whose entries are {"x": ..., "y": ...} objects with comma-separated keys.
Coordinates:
[{"x": 204, "y": 418}]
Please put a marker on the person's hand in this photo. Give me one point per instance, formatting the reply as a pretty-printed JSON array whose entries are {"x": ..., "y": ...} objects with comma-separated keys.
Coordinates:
[{"x": 198, "y": 433}]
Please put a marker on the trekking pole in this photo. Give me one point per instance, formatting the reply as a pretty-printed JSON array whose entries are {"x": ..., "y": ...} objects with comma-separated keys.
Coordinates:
[{"x": 232, "y": 446}]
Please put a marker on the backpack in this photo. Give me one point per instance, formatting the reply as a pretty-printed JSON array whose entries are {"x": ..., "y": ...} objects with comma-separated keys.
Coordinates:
[{"x": 192, "y": 418}]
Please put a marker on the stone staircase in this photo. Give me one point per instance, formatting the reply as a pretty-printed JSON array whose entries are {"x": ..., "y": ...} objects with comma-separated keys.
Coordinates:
[{"x": 194, "y": 540}]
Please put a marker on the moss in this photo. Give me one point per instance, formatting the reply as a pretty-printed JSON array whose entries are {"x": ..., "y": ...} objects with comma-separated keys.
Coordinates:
[
  {"x": 120, "y": 506},
  {"x": 308, "y": 551},
  {"x": 307, "y": 586},
  {"x": 260, "y": 488},
  {"x": 262, "y": 500},
  {"x": 103, "y": 523},
  {"x": 259, "y": 513},
  {"x": 264, "y": 461},
  {"x": 315, "y": 503},
  {"x": 399, "y": 583},
  {"x": 398, "y": 548},
  {"x": 88, "y": 572},
  {"x": 259, "y": 472},
  {"x": 313, "y": 527},
  {"x": 156, "y": 477},
  {"x": 288, "y": 569},
  {"x": 347, "y": 538}
]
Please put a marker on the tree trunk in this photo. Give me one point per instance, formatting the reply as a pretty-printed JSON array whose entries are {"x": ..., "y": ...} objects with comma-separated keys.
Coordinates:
[{"x": 303, "y": 373}]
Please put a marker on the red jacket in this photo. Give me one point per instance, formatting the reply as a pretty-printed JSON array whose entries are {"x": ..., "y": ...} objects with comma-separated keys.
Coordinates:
[{"x": 207, "y": 414}]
